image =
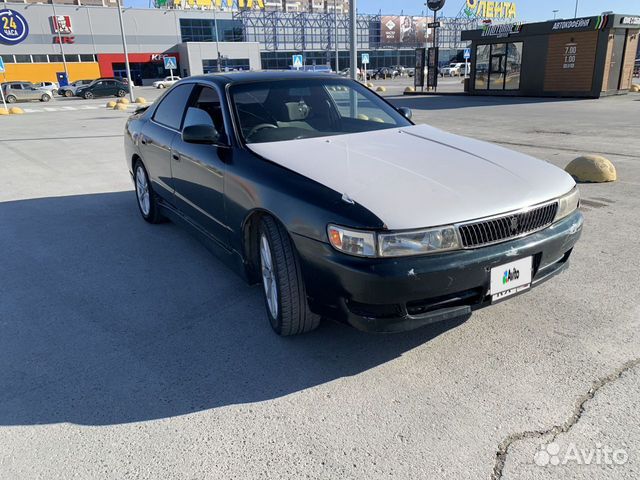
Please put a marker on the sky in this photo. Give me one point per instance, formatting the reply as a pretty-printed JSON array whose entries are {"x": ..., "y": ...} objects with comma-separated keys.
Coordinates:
[{"x": 528, "y": 10}]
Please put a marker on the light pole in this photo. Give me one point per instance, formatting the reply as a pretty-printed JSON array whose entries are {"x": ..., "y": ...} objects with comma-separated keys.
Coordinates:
[
  {"x": 56, "y": 24},
  {"x": 554, "y": 13},
  {"x": 215, "y": 27},
  {"x": 126, "y": 52},
  {"x": 335, "y": 19},
  {"x": 576, "y": 12},
  {"x": 353, "y": 54}
]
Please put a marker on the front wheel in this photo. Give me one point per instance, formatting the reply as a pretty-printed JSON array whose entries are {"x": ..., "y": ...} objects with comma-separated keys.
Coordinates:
[
  {"x": 284, "y": 291},
  {"x": 121, "y": 93},
  {"x": 68, "y": 93},
  {"x": 87, "y": 95},
  {"x": 147, "y": 201},
  {"x": 161, "y": 85}
]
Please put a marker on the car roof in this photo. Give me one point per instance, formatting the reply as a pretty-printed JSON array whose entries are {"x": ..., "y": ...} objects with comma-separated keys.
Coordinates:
[{"x": 225, "y": 78}]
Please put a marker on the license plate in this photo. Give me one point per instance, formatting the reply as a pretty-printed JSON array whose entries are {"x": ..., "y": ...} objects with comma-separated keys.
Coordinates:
[{"x": 510, "y": 278}]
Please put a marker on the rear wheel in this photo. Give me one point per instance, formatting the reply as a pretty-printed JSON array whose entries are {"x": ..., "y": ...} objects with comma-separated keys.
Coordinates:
[
  {"x": 147, "y": 201},
  {"x": 54, "y": 92},
  {"x": 283, "y": 285},
  {"x": 121, "y": 93},
  {"x": 11, "y": 99},
  {"x": 68, "y": 93},
  {"x": 45, "y": 98}
]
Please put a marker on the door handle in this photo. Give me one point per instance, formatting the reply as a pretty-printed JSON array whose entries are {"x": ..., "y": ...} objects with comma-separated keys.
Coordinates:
[
  {"x": 143, "y": 140},
  {"x": 175, "y": 156}
]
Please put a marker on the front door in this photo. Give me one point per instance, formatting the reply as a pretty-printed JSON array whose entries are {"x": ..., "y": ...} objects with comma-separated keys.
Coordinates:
[
  {"x": 617, "y": 59},
  {"x": 198, "y": 170}
]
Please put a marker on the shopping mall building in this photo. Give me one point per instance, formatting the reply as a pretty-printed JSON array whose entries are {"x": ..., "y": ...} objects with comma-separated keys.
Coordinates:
[{"x": 264, "y": 36}]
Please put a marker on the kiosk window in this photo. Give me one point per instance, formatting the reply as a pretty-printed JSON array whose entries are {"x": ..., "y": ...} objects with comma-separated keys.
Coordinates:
[
  {"x": 482, "y": 67},
  {"x": 498, "y": 66}
]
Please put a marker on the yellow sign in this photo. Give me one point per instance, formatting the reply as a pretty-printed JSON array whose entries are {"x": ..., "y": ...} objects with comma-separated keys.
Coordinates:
[
  {"x": 490, "y": 9},
  {"x": 218, "y": 3}
]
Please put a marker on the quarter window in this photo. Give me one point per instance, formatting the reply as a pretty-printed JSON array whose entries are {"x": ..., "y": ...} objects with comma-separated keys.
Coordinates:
[{"x": 171, "y": 110}]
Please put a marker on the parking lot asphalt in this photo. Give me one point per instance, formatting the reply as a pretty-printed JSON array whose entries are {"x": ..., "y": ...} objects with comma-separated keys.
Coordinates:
[{"x": 128, "y": 351}]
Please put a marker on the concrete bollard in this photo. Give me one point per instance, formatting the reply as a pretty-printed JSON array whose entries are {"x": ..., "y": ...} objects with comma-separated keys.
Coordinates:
[
  {"x": 592, "y": 169},
  {"x": 16, "y": 111},
  {"x": 123, "y": 101},
  {"x": 111, "y": 104}
]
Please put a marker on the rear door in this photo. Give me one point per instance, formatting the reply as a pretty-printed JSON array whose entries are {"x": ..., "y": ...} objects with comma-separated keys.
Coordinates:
[
  {"x": 198, "y": 170},
  {"x": 157, "y": 136},
  {"x": 30, "y": 91}
]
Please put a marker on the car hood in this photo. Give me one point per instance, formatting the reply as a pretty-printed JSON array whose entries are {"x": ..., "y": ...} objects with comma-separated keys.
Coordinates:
[{"x": 419, "y": 176}]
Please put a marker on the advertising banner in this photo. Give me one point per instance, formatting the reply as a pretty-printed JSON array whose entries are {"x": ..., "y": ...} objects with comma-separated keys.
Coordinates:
[{"x": 404, "y": 30}]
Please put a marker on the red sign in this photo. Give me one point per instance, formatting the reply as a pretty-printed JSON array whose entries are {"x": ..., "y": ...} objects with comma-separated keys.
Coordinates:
[{"x": 64, "y": 40}]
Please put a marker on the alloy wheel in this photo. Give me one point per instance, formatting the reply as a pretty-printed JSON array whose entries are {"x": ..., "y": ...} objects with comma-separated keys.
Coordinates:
[
  {"x": 268, "y": 277},
  {"x": 142, "y": 191}
]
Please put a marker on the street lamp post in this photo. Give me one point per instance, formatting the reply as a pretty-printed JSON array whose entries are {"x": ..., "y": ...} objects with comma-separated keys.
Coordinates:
[
  {"x": 335, "y": 20},
  {"x": 555, "y": 13},
  {"x": 353, "y": 54},
  {"x": 57, "y": 27},
  {"x": 576, "y": 12},
  {"x": 215, "y": 27},
  {"x": 126, "y": 52}
]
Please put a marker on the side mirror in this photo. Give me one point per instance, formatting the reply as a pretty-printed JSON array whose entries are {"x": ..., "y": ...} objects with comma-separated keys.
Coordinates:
[
  {"x": 405, "y": 112},
  {"x": 206, "y": 134}
]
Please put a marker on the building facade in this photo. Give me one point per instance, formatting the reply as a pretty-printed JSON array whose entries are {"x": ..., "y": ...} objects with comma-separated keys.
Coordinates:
[
  {"x": 202, "y": 40},
  {"x": 581, "y": 57}
]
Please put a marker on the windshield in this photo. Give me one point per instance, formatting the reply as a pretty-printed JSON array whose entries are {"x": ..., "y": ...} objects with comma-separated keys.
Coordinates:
[{"x": 296, "y": 109}]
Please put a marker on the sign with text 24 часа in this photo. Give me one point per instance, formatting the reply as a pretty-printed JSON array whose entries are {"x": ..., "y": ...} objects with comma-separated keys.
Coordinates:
[{"x": 13, "y": 27}]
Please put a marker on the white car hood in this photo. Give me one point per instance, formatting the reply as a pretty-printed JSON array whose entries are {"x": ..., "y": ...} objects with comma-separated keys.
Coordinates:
[{"x": 420, "y": 176}]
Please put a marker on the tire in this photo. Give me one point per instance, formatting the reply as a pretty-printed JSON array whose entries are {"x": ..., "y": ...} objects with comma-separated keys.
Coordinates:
[
  {"x": 280, "y": 271},
  {"x": 87, "y": 95},
  {"x": 121, "y": 93},
  {"x": 68, "y": 93},
  {"x": 54, "y": 92},
  {"x": 45, "y": 98},
  {"x": 11, "y": 99},
  {"x": 161, "y": 86},
  {"x": 146, "y": 198}
]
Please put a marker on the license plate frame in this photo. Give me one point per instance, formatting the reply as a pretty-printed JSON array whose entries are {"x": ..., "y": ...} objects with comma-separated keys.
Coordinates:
[{"x": 510, "y": 278}]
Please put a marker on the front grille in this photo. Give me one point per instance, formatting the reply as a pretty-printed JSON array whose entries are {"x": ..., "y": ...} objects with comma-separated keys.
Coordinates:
[{"x": 498, "y": 229}]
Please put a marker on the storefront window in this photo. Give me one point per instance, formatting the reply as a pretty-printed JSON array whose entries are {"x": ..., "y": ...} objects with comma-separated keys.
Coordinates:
[
  {"x": 514, "y": 65},
  {"x": 482, "y": 67},
  {"x": 498, "y": 66}
]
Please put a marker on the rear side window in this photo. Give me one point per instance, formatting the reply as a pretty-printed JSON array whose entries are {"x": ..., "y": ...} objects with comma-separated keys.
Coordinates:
[{"x": 170, "y": 111}]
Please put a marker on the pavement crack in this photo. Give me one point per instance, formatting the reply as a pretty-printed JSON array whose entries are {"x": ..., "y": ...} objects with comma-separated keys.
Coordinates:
[{"x": 555, "y": 430}]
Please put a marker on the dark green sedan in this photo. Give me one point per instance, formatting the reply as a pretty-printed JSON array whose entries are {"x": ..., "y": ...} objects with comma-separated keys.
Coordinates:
[{"x": 103, "y": 88}]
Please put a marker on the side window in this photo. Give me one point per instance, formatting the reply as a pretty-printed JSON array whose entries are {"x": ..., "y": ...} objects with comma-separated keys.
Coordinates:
[
  {"x": 16, "y": 86},
  {"x": 206, "y": 107},
  {"x": 170, "y": 111}
]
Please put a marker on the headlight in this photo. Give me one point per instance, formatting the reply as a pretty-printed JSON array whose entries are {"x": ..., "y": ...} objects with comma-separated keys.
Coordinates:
[
  {"x": 353, "y": 242},
  {"x": 418, "y": 242},
  {"x": 370, "y": 244},
  {"x": 568, "y": 204}
]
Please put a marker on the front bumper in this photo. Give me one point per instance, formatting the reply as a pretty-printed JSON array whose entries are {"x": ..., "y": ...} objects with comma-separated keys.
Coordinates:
[{"x": 396, "y": 294}]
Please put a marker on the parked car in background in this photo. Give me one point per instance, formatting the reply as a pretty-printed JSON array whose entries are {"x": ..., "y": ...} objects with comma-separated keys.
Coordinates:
[
  {"x": 24, "y": 92},
  {"x": 166, "y": 83},
  {"x": 453, "y": 70},
  {"x": 402, "y": 70},
  {"x": 382, "y": 72},
  {"x": 70, "y": 90},
  {"x": 318, "y": 189},
  {"x": 103, "y": 87},
  {"x": 52, "y": 87}
]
